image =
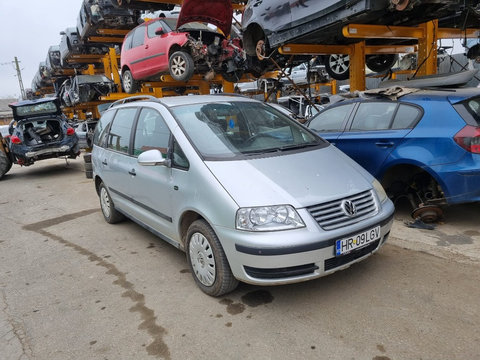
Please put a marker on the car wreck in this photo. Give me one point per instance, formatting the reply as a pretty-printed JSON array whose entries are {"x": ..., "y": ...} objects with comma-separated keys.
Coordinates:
[
  {"x": 183, "y": 46},
  {"x": 269, "y": 24},
  {"x": 40, "y": 131},
  {"x": 85, "y": 88}
]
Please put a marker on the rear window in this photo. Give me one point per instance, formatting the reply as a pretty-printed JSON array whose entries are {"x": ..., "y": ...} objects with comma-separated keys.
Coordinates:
[
  {"x": 43, "y": 108},
  {"x": 473, "y": 107}
]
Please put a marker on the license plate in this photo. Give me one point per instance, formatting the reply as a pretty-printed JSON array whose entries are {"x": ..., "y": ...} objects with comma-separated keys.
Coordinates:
[{"x": 356, "y": 241}]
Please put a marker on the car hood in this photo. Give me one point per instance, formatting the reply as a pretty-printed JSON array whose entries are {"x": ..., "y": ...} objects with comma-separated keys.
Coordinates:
[
  {"x": 216, "y": 12},
  {"x": 300, "y": 179}
]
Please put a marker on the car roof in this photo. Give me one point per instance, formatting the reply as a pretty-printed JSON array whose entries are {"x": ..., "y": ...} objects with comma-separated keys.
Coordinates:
[{"x": 171, "y": 101}]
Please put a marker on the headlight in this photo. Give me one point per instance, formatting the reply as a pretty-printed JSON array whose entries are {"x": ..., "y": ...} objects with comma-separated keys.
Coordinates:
[
  {"x": 382, "y": 195},
  {"x": 268, "y": 218}
]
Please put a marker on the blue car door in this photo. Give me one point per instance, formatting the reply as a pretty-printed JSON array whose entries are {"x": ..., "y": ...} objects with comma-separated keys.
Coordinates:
[
  {"x": 330, "y": 123},
  {"x": 377, "y": 129}
]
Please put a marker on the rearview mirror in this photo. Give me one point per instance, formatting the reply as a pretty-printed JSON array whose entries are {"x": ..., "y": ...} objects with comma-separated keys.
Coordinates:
[{"x": 152, "y": 158}]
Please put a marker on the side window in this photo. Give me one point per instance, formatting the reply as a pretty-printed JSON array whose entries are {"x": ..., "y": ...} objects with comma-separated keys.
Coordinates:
[
  {"x": 128, "y": 41},
  {"x": 119, "y": 135},
  {"x": 101, "y": 129},
  {"x": 151, "y": 28},
  {"x": 373, "y": 116},
  {"x": 406, "y": 117},
  {"x": 138, "y": 36},
  {"x": 331, "y": 119},
  {"x": 179, "y": 159},
  {"x": 151, "y": 133}
]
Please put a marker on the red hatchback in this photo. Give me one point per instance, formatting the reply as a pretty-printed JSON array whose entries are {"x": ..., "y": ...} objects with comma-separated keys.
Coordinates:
[{"x": 183, "y": 46}]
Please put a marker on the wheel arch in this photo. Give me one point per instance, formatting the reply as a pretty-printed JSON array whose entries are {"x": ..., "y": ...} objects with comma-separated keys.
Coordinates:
[
  {"x": 404, "y": 171},
  {"x": 186, "y": 219},
  {"x": 251, "y": 35}
]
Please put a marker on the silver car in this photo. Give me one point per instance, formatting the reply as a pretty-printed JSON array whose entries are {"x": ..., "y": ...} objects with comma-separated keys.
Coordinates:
[{"x": 248, "y": 193}]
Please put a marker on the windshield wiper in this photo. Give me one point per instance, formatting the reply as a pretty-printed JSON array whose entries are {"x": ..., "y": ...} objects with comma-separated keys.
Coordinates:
[
  {"x": 297, "y": 146},
  {"x": 260, "y": 151}
]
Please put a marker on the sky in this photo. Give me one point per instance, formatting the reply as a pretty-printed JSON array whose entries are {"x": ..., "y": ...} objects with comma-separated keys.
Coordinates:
[{"x": 28, "y": 28}]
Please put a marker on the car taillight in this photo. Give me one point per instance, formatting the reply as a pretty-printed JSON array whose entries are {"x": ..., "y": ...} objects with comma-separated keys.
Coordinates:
[
  {"x": 70, "y": 131},
  {"x": 15, "y": 139},
  {"x": 469, "y": 139}
]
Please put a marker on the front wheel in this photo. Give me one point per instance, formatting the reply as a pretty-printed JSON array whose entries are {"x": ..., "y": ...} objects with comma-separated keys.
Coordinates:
[
  {"x": 207, "y": 260},
  {"x": 181, "y": 66}
]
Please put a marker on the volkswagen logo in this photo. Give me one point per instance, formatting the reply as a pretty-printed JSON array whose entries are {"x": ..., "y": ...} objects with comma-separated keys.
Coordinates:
[{"x": 349, "y": 208}]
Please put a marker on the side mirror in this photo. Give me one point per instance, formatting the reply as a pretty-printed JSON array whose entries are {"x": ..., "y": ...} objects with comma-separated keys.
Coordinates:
[
  {"x": 152, "y": 158},
  {"x": 159, "y": 31}
]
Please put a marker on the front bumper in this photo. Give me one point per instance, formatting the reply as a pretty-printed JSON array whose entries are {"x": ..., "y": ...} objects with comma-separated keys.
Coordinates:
[{"x": 298, "y": 255}]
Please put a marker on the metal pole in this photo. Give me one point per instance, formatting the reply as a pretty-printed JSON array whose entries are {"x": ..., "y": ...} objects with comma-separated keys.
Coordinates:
[{"x": 19, "y": 75}]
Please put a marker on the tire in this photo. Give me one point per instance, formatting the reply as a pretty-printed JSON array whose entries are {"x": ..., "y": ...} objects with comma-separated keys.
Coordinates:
[
  {"x": 87, "y": 158},
  {"x": 88, "y": 166},
  {"x": 130, "y": 85},
  {"x": 89, "y": 174},
  {"x": 338, "y": 66},
  {"x": 5, "y": 164},
  {"x": 181, "y": 66},
  {"x": 233, "y": 76},
  {"x": 109, "y": 212},
  {"x": 381, "y": 63},
  {"x": 207, "y": 260}
]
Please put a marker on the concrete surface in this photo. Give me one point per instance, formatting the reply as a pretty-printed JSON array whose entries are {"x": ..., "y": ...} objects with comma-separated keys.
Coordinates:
[{"x": 74, "y": 287}]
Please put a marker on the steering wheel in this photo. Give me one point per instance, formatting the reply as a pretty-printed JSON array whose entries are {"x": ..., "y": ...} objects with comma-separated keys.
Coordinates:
[{"x": 254, "y": 137}]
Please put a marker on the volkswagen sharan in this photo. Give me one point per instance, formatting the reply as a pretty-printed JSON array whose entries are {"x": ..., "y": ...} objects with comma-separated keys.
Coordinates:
[{"x": 246, "y": 192}]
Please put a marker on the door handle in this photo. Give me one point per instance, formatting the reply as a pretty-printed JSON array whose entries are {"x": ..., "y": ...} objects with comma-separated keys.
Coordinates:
[
  {"x": 104, "y": 162},
  {"x": 146, "y": 46},
  {"x": 384, "y": 144},
  {"x": 132, "y": 172}
]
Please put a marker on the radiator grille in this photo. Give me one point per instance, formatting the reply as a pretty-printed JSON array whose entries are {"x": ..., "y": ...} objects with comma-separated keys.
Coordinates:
[{"x": 331, "y": 215}]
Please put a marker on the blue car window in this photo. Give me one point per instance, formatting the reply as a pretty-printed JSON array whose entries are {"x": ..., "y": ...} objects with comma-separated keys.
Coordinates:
[
  {"x": 331, "y": 119},
  {"x": 151, "y": 133},
  {"x": 406, "y": 117},
  {"x": 119, "y": 136},
  {"x": 373, "y": 116}
]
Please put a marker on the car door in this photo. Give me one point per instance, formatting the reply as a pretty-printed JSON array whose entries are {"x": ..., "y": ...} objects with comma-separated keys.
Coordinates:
[
  {"x": 117, "y": 162},
  {"x": 331, "y": 122},
  {"x": 153, "y": 185},
  {"x": 136, "y": 53},
  {"x": 376, "y": 129},
  {"x": 155, "y": 49}
]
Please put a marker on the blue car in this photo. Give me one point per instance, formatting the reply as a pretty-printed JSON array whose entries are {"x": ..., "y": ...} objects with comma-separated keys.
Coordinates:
[{"x": 424, "y": 145}]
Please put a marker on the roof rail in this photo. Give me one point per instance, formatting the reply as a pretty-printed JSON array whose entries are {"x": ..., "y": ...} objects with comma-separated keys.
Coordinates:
[{"x": 131, "y": 99}]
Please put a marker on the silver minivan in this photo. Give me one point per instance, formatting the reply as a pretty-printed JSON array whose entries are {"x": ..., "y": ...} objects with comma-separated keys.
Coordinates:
[{"x": 248, "y": 193}]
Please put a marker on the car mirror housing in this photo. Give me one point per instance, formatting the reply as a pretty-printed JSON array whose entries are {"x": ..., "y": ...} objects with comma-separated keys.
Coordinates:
[
  {"x": 159, "y": 31},
  {"x": 152, "y": 158}
]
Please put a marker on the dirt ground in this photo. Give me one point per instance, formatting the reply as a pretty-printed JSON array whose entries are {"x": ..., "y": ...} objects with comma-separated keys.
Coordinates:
[{"x": 74, "y": 287}]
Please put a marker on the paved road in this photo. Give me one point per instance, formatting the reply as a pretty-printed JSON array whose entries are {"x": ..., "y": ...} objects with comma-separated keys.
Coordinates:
[{"x": 75, "y": 287}]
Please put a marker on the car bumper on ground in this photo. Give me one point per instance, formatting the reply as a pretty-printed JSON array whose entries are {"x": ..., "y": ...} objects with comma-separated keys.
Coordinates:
[{"x": 301, "y": 254}]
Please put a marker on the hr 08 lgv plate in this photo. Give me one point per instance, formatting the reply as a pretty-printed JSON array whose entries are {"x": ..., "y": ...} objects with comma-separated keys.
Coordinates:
[{"x": 357, "y": 241}]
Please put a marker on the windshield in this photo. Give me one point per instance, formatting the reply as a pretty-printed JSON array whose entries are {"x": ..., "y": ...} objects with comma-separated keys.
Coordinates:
[
  {"x": 232, "y": 130},
  {"x": 42, "y": 108}
]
